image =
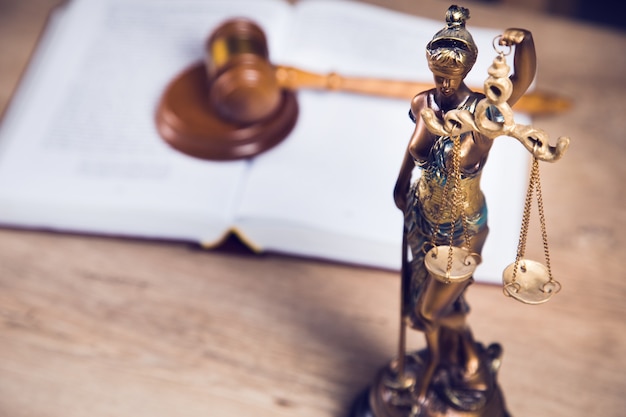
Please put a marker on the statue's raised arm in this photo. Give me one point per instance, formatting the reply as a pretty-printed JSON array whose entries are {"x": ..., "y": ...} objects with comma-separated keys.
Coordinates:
[
  {"x": 493, "y": 116},
  {"x": 524, "y": 61}
]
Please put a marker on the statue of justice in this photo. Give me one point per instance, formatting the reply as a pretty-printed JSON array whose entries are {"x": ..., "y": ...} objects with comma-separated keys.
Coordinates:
[{"x": 445, "y": 227}]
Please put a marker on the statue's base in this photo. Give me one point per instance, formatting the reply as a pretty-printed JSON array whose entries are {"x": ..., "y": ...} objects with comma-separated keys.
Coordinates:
[{"x": 388, "y": 397}]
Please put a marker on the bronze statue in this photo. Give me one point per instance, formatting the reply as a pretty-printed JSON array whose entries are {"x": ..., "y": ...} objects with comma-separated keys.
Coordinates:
[{"x": 445, "y": 228}]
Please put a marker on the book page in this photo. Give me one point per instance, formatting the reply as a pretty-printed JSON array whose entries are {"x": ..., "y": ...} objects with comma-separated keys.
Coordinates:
[
  {"x": 337, "y": 170},
  {"x": 79, "y": 147}
]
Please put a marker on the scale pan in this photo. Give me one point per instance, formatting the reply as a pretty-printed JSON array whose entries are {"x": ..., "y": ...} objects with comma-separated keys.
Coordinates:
[{"x": 532, "y": 283}]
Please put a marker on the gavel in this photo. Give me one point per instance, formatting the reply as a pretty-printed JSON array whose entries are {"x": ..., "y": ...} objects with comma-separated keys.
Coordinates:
[{"x": 238, "y": 104}]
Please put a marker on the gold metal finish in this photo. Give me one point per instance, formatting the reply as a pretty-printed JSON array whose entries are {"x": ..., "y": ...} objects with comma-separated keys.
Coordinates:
[
  {"x": 452, "y": 60},
  {"x": 445, "y": 229},
  {"x": 435, "y": 206},
  {"x": 498, "y": 89},
  {"x": 529, "y": 282},
  {"x": 451, "y": 264},
  {"x": 535, "y": 284}
]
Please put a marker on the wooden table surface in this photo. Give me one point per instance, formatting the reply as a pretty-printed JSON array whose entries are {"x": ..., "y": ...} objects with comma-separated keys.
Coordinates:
[{"x": 95, "y": 326}]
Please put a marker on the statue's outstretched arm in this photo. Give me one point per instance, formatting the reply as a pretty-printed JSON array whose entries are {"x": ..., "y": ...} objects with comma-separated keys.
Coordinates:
[{"x": 524, "y": 60}]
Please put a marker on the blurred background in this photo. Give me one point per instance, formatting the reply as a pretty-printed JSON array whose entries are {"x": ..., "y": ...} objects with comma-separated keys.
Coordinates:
[{"x": 600, "y": 12}]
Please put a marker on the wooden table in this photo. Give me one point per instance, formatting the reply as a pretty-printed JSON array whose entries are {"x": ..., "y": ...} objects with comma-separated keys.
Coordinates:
[{"x": 95, "y": 326}]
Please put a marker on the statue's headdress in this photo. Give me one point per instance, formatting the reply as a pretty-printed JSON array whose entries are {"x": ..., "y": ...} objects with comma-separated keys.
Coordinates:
[{"x": 452, "y": 50}]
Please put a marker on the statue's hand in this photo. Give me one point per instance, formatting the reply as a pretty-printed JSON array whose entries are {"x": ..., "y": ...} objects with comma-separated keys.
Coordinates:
[{"x": 513, "y": 36}]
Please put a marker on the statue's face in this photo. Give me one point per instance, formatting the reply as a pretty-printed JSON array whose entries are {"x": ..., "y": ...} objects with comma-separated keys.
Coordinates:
[{"x": 447, "y": 85}]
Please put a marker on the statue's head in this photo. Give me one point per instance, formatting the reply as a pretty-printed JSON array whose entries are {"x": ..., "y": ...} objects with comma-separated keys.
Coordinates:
[{"x": 452, "y": 50}]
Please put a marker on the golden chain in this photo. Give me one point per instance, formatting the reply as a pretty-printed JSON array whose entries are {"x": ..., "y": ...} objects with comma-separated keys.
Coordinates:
[
  {"x": 460, "y": 195},
  {"x": 455, "y": 203},
  {"x": 455, "y": 192},
  {"x": 533, "y": 184},
  {"x": 542, "y": 220}
]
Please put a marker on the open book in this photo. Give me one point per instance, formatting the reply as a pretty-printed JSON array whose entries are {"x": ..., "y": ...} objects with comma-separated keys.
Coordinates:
[{"x": 79, "y": 150}]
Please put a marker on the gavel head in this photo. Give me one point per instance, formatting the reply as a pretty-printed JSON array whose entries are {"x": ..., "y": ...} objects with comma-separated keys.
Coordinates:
[
  {"x": 243, "y": 82},
  {"x": 229, "y": 106}
]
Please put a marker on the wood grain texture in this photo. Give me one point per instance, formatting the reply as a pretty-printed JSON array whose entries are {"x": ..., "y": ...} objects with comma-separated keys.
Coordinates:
[{"x": 110, "y": 327}]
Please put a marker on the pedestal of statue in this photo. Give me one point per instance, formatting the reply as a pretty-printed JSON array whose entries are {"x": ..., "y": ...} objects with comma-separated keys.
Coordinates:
[{"x": 447, "y": 396}]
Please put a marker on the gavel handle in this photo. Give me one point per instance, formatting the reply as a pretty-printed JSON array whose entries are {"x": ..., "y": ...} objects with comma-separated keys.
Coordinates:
[{"x": 534, "y": 103}]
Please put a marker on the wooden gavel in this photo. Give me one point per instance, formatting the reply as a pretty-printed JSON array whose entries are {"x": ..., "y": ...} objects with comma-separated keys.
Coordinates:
[{"x": 237, "y": 103}]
